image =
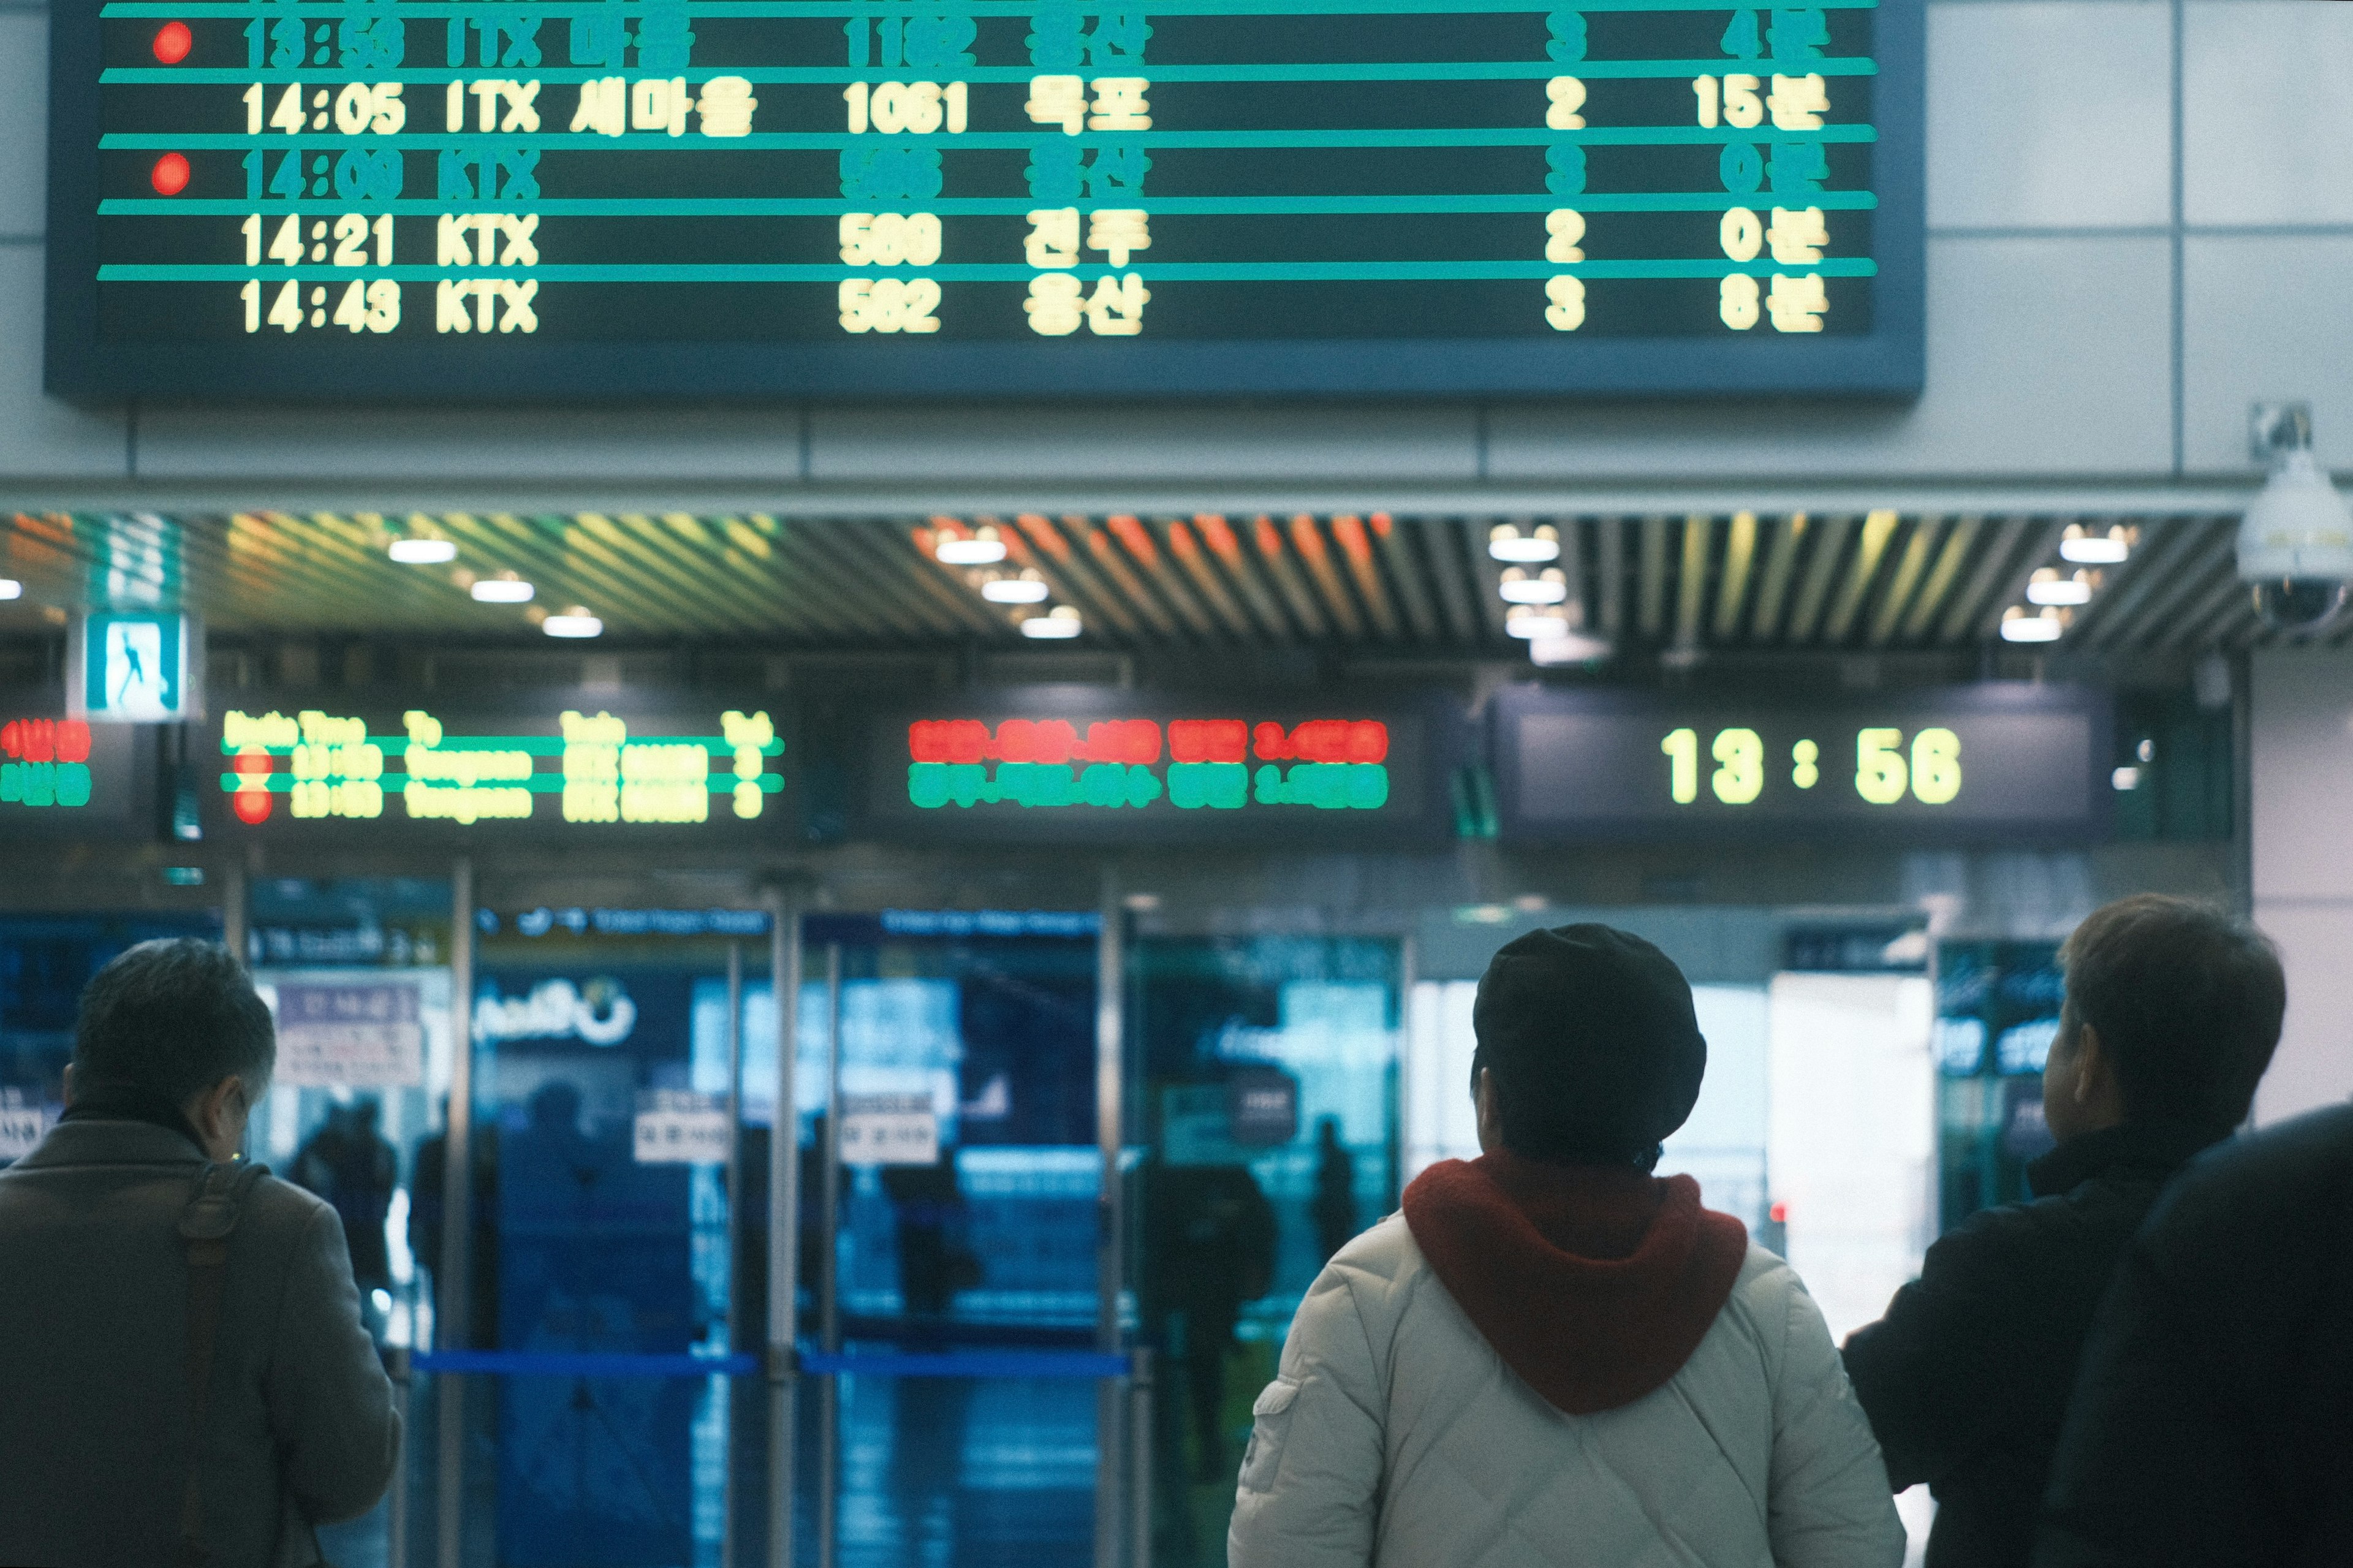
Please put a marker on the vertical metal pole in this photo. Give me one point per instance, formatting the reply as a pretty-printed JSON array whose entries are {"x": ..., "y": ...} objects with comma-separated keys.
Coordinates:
[
  {"x": 784, "y": 1227},
  {"x": 396, "y": 1524},
  {"x": 451, "y": 1329},
  {"x": 234, "y": 927},
  {"x": 1111, "y": 1398},
  {"x": 828, "y": 1266},
  {"x": 735, "y": 1334},
  {"x": 1139, "y": 1460}
]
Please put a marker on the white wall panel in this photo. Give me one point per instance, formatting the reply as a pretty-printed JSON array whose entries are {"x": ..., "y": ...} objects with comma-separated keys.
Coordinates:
[
  {"x": 552, "y": 446},
  {"x": 2046, "y": 357},
  {"x": 2266, "y": 317},
  {"x": 2050, "y": 114},
  {"x": 24, "y": 122},
  {"x": 1080, "y": 441},
  {"x": 2300, "y": 763},
  {"x": 39, "y": 437},
  {"x": 1850, "y": 1139},
  {"x": 2265, "y": 135}
]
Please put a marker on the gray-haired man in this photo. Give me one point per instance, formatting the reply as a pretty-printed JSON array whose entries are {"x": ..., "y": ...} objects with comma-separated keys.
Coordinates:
[{"x": 186, "y": 1376}]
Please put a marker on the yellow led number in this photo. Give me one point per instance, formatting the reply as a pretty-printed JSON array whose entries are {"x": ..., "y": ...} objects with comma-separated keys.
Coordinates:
[
  {"x": 1739, "y": 776},
  {"x": 1884, "y": 774},
  {"x": 1934, "y": 776}
]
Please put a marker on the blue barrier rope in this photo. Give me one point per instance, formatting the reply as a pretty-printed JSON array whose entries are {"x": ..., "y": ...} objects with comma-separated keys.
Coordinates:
[
  {"x": 968, "y": 1363},
  {"x": 813, "y": 1364},
  {"x": 583, "y": 1364}
]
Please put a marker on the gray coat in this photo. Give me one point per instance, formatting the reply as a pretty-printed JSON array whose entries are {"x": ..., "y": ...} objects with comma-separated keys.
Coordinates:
[{"x": 94, "y": 1414}]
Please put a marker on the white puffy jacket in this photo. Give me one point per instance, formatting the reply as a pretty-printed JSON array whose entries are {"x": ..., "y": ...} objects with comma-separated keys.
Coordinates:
[{"x": 1395, "y": 1434}]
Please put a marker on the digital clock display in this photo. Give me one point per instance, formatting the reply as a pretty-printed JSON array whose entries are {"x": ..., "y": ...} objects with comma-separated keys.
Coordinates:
[
  {"x": 1971, "y": 762},
  {"x": 571, "y": 771},
  {"x": 690, "y": 198}
]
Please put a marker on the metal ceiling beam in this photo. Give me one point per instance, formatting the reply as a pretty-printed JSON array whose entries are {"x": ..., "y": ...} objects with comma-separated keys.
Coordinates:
[
  {"x": 2008, "y": 537},
  {"x": 1828, "y": 543},
  {"x": 1412, "y": 592},
  {"x": 1739, "y": 555},
  {"x": 1441, "y": 545},
  {"x": 1941, "y": 577},
  {"x": 1910, "y": 566},
  {"x": 1691, "y": 578},
  {"x": 1651, "y": 589},
  {"x": 1878, "y": 527},
  {"x": 1219, "y": 534}
]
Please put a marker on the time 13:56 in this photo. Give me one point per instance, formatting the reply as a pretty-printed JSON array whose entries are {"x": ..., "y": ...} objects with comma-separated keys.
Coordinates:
[{"x": 1886, "y": 769}]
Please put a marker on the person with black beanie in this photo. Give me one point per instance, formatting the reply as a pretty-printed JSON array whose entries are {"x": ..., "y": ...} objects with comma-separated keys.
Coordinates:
[{"x": 1551, "y": 1355}]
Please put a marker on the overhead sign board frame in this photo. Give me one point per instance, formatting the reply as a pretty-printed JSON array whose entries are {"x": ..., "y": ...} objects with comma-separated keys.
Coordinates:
[
  {"x": 2011, "y": 761},
  {"x": 1291, "y": 188}
]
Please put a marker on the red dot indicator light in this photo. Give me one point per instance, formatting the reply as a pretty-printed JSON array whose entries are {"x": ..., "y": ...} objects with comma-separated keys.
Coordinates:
[
  {"x": 170, "y": 174},
  {"x": 173, "y": 42}
]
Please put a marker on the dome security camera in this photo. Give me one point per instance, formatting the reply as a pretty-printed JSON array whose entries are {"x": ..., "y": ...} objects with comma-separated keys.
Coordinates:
[{"x": 2295, "y": 544}]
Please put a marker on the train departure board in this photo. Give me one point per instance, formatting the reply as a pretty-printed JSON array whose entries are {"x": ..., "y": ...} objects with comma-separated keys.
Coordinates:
[
  {"x": 572, "y": 771},
  {"x": 1992, "y": 761},
  {"x": 631, "y": 199},
  {"x": 1068, "y": 766}
]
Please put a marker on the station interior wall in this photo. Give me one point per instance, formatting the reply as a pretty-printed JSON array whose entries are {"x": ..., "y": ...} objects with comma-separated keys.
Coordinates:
[
  {"x": 2140, "y": 213},
  {"x": 2303, "y": 870}
]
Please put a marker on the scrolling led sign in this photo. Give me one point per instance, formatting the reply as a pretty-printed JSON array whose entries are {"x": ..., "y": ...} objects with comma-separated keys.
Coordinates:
[
  {"x": 316, "y": 766},
  {"x": 1334, "y": 764}
]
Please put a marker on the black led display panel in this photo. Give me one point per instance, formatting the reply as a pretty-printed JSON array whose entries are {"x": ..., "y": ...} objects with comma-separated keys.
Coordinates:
[
  {"x": 1995, "y": 760},
  {"x": 1069, "y": 766},
  {"x": 371, "y": 200}
]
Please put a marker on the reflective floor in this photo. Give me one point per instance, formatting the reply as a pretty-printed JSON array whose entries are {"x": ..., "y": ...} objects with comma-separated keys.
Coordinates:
[{"x": 934, "y": 1473}]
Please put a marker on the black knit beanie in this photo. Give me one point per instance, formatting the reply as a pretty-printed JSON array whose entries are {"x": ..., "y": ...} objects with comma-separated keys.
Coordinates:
[{"x": 1596, "y": 1050}]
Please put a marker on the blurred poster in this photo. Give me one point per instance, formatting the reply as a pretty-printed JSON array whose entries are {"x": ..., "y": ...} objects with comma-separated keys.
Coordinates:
[
  {"x": 889, "y": 1129},
  {"x": 354, "y": 1036},
  {"x": 679, "y": 1127}
]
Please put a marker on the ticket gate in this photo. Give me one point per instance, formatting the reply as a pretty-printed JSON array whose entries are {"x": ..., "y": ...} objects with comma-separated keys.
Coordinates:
[{"x": 920, "y": 1355}]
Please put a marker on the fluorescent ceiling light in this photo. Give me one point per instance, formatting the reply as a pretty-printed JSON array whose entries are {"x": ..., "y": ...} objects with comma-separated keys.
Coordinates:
[
  {"x": 1062, "y": 623},
  {"x": 573, "y": 623},
  {"x": 1577, "y": 647},
  {"x": 11, "y": 589},
  {"x": 1533, "y": 590},
  {"x": 2032, "y": 628},
  {"x": 1013, "y": 590},
  {"x": 1538, "y": 626},
  {"x": 2059, "y": 591},
  {"x": 2094, "y": 550},
  {"x": 1507, "y": 543},
  {"x": 501, "y": 591},
  {"x": 973, "y": 551},
  {"x": 422, "y": 552}
]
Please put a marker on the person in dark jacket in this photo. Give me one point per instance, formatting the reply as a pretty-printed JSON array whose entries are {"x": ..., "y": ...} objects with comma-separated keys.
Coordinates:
[
  {"x": 139, "y": 1426},
  {"x": 2171, "y": 1015},
  {"x": 2213, "y": 1426}
]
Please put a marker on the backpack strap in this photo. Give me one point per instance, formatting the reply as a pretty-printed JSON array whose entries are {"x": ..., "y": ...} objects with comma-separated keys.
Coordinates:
[{"x": 205, "y": 1224}]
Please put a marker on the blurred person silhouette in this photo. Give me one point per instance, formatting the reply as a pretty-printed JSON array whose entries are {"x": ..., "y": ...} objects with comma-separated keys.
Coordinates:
[
  {"x": 928, "y": 1206},
  {"x": 428, "y": 1213},
  {"x": 1333, "y": 1209},
  {"x": 2212, "y": 1423},
  {"x": 346, "y": 1162},
  {"x": 2170, "y": 1015},
  {"x": 187, "y": 1376},
  {"x": 1549, "y": 1354},
  {"x": 1210, "y": 1235}
]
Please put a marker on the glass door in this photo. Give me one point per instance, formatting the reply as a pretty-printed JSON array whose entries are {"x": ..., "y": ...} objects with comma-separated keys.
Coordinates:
[{"x": 1268, "y": 1091}]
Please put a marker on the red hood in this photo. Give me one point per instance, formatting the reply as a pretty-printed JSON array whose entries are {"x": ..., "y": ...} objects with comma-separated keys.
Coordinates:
[{"x": 1594, "y": 1284}]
